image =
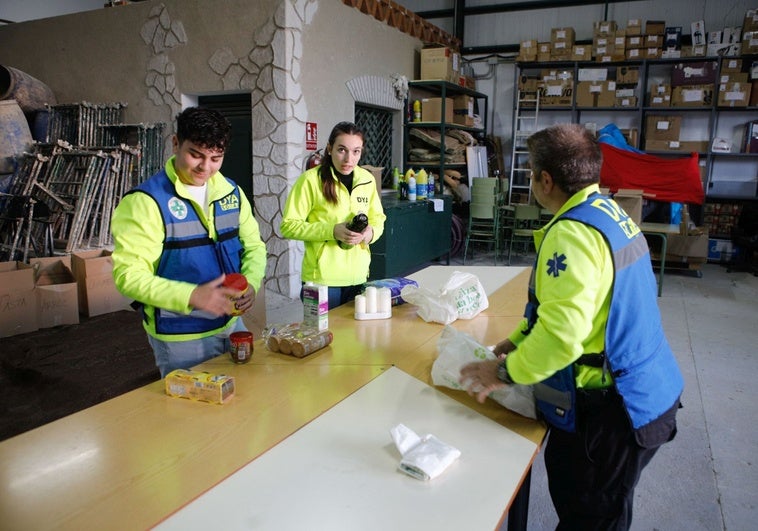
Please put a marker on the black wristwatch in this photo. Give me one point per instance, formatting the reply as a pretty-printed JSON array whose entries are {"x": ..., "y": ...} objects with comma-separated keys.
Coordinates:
[{"x": 502, "y": 373}]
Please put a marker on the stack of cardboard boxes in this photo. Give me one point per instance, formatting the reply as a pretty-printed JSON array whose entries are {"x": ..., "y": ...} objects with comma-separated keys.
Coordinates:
[
  {"x": 443, "y": 63},
  {"x": 53, "y": 291}
]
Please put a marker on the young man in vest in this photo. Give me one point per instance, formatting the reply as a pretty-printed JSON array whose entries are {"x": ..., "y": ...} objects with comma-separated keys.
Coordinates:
[
  {"x": 591, "y": 342},
  {"x": 177, "y": 236}
]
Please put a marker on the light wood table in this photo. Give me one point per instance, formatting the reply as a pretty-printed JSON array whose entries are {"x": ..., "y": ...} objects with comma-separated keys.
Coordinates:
[
  {"x": 129, "y": 462},
  {"x": 340, "y": 471}
]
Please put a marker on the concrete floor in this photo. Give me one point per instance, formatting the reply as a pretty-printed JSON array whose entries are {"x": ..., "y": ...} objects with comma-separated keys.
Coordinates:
[{"x": 704, "y": 479}]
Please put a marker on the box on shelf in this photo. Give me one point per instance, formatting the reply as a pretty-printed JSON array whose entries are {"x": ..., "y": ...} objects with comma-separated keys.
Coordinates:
[
  {"x": 700, "y": 73},
  {"x": 677, "y": 146},
  {"x": 660, "y": 96},
  {"x": 697, "y": 32},
  {"x": 655, "y": 27},
  {"x": 692, "y": 96},
  {"x": 662, "y": 127},
  {"x": 750, "y": 23},
  {"x": 592, "y": 74},
  {"x": 625, "y": 102},
  {"x": 750, "y": 139},
  {"x": 654, "y": 41},
  {"x": 93, "y": 271},
  {"x": 672, "y": 39},
  {"x": 633, "y": 54},
  {"x": 627, "y": 75},
  {"x": 631, "y": 135},
  {"x": 631, "y": 201},
  {"x": 431, "y": 110},
  {"x": 565, "y": 35},
  {"x": 734, "y": 94},
  {"x": 440, "y": 62},
  {"x": 595, "y": 93},
  {"x": 556, "y": 93},
  {"x": 56, "y": 289},
  {"x": 604, "y": 27},
  {"x": 581, "y": 53},
  {"x": 528, "y": 51},
  {"x": 463, "y": 110},
  {"x": 653, "y": 53},
  {"x": 633, "y": 27},
  {"x": 733, "y": 77},
  {"x": 18, "y": 307},
  {"x": 731, "y": 65},
  {"x": 749, "y": 42}
]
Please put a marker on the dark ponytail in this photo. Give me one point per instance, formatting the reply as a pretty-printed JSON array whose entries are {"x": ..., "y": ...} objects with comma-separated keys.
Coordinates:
[{"x": 325, "y": 170}]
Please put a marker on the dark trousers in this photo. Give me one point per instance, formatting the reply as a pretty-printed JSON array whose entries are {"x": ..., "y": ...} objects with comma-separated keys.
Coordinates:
[{"x": 592, "y": 473}]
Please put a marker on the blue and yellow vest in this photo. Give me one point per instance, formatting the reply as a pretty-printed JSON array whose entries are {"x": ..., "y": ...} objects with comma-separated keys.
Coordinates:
[
  {"x": 189, "y": 253},
  {"x": 637, "y": 354}
]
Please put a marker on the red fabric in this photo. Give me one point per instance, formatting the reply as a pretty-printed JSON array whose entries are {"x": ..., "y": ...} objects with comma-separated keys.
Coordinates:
[{"x": 673, "y": 180}]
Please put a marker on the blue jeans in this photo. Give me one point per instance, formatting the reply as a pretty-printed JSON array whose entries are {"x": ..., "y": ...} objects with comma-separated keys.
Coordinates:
[{"x": 170, "y": 355}]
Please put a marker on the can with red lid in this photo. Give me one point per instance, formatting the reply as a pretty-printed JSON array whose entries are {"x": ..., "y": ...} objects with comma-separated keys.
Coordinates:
[
  {"x": 241, "y": 346},
  {"x": 238, "y": 282}
]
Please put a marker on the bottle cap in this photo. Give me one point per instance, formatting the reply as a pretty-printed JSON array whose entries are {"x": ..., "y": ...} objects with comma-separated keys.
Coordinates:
[{"x": 236, "y": 281}]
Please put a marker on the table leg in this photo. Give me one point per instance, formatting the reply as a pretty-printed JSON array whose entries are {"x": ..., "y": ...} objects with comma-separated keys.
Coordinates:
[{"x": 518, "y": 514}]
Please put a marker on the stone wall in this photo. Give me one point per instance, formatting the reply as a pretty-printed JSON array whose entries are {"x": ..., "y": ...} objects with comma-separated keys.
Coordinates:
[{"x": 300, "y": 61}]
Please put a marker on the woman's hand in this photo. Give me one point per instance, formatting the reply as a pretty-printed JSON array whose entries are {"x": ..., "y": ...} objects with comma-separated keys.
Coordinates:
[{"x": 345, "y": 235}]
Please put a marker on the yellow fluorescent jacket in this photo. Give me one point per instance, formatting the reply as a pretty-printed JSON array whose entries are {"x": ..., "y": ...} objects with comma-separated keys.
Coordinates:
[
  {"x": 138, "y": 233},
  {"x": 574, "y": 305},
  {"x": 310, "y": 218}
]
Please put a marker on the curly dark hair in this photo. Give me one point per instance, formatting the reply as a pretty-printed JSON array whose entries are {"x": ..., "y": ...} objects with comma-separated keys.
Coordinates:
[
  {"x": 205, "y": 127},
  {"x": 569, "y": 153}
]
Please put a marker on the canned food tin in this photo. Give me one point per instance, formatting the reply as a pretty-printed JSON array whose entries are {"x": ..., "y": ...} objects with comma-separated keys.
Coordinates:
[{"x": 241, "y": 346}]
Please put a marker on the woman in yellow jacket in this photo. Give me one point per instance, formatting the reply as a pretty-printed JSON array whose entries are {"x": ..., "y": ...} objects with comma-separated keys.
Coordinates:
[{"x": 319, "y": 207}]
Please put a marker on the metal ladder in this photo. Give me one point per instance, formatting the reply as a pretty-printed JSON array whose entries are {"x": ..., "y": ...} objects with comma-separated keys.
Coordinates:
[{"x": 524, "y": 124}]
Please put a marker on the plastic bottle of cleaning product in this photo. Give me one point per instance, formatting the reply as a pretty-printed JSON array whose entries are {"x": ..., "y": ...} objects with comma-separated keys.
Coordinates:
[
  {"x": 430, "y": 187},
  {"x": 395, "y": 178},
  {"x": 421, "y": 184},
  {"x": 417, "y": 111},
  {"x": 412, "y": 189}
]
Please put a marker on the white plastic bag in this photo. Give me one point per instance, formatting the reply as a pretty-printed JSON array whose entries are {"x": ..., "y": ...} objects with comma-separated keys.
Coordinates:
[
  {"x": 456, "y": 349},
  {"x": 462, "y": 297}
]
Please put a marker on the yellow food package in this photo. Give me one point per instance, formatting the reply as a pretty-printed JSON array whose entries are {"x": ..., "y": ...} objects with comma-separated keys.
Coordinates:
[{"x": 199, "y": 385}]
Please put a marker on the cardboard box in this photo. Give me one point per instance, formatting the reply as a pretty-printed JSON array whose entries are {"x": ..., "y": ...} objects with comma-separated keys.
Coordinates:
[
  {"x": 692, "y": 96},
  {"x": 596, "y": 94},
  {"x": 18, "y": 302},
  {"x": 633, "y": 26},
  {"x": 750, "y": 23},
  {"x": 662, "y": 127},
  {"x": 198, "y": 385},
  {"x": 56, "y": 291},
  {"x": 463, "y": 110},
  {"x": 734, "y": 94},
  {"x": 672, "y": 39},
  {"x": 631, "y": 201},
  {"x": 566, "y": 35},
  {"x": 731, "y": 65},
  {"x": 97, "y": 291},
  {"x": 690, "y": 246},
  {"x": 604, "y": 27},
  {"x": 627, "y": 75},
  {"x": 440, "y": 63},
  {"x": 700, "y": 73},
  {"x": 581, "y": 53},
  {"x": 431, "y": 110},
  {"x": 556, "y": 93},
  {"x": 698, "y": 33},
  {"x": 733, "y": 77},
  {"x": 660, "y": 96},
  {"x": 678, "y": 146},
  {"x": 749, "y": 42},
  {"x": 655, "y": 27}
]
